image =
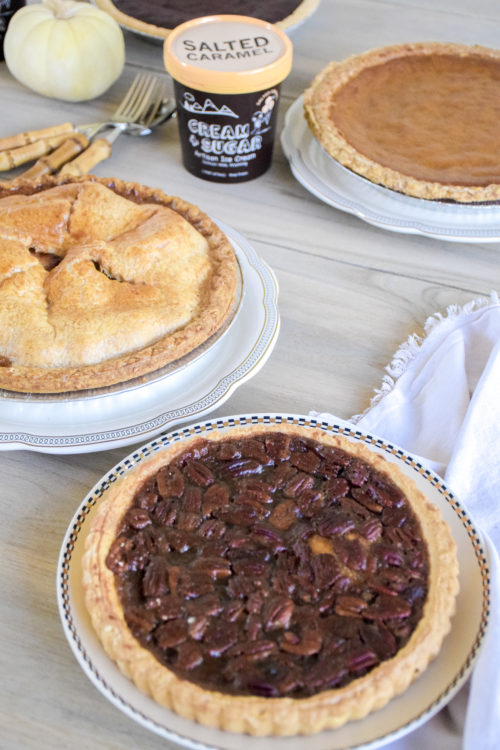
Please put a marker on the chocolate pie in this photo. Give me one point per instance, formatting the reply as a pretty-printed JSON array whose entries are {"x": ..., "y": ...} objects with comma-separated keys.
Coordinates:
[
  {"x": 422, "y": 119},
  {"x": 103, "y": 281},
  {"x": 158, "y": 17},
  {"x": 270, "y": 579}
]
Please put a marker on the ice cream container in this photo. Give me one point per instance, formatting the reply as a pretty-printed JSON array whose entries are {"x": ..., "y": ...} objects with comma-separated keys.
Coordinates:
[{"x": 227, "y": 72}]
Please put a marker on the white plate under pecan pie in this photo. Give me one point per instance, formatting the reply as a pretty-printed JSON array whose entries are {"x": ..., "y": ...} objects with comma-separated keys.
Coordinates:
[
  {"x": 272, "y": 579},
  {"x": 103, "y": 281}
]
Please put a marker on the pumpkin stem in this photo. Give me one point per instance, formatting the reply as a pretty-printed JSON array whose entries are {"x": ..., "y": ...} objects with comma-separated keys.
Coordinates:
[{"x": 62, "y": 8}]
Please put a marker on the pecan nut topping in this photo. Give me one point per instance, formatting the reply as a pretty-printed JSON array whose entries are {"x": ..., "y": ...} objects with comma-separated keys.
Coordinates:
[{"x": 308, "y": 567}]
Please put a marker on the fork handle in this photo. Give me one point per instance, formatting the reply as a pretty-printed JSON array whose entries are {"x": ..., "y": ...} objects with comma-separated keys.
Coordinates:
[
  {"x": 14, "y": 157},
  {"x": 95, "y": 153},
  {"x": 50, "y": 164},
  {"x": 22, "y": 139}
]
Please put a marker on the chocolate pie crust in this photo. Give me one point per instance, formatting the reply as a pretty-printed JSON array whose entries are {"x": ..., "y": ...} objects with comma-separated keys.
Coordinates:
[
  {"x": 161, "y": 20},
  {"x": 422, "y": 119},
  {"x": 103, "y": 281},
  {"x": 252, "y": 714}
]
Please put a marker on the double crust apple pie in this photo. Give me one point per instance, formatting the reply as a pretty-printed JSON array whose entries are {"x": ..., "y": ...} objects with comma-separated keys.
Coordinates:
[
  {"x": 422, "y": 119},
  {"x": 270, "y": 579},
  {"x": 102, "y": 281}
]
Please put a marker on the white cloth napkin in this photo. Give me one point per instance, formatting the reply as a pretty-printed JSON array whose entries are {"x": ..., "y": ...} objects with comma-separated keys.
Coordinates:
[{"x": 450, "y": 378}]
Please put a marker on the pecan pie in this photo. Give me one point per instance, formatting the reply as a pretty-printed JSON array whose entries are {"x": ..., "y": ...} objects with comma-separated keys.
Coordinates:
[
  {"x": 422, "y": 119},
  {"x": 270, "y": 579},
  {"x": 102, "y": 281},
  {"x": 158, "y": 17}
]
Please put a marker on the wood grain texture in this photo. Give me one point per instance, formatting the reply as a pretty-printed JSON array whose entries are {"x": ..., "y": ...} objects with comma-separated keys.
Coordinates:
[{"x": 350, "y": 293}]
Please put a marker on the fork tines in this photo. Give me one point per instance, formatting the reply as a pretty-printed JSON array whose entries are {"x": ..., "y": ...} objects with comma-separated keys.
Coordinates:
[{"x": 143, "y": 99}]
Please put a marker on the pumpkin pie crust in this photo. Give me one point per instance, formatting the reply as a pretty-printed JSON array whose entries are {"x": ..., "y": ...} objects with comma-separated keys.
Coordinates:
[
  {"x": 158, "y": 19},
  {"x": 102, "y": 281},
  {"x": 269, "y": 580},
  {"x": 422, "y": 118}
]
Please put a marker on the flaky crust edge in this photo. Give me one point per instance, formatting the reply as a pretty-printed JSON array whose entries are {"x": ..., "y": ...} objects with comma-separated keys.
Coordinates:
[
  {"x": 301, "y": 12},
  {"x": 255, "y": 715},
  {"x": 336, "y": 74},
  {"x": 134, "y": 364}
]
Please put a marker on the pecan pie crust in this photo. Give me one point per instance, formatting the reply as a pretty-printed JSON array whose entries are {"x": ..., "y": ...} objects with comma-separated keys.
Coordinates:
[
  {"x": 262, "y": 713},
  {"x": 102, "y": 281},
  {"x": 159, "y": 22},
  {"x": 397, "y": 117}
]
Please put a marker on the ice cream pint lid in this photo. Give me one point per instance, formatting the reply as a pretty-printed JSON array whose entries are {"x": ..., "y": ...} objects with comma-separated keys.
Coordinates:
[{"x": 228, "y": 54}]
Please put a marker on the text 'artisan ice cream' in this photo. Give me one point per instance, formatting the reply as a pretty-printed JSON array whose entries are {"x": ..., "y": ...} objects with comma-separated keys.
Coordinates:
[{"x": 227, "y": 72}]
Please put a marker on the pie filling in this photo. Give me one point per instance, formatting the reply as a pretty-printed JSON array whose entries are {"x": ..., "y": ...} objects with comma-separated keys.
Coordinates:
[
  {"x": 435, "y": 117},
  {"x": 171, "y": 13},
  {"x": 270, "y": 565}
]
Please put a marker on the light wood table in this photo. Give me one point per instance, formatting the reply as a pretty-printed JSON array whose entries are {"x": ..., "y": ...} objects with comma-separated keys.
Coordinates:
[{"x": 350, "y": 293}]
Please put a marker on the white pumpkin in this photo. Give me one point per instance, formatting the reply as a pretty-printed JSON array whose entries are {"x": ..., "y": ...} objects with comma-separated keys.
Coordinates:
[{"x": 64, "y": 49}]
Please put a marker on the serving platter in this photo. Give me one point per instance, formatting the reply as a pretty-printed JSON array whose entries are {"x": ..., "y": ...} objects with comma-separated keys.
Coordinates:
[
  {"x": 424, "y": 698},
  {"x": 329, "y": 181},
  {"x": 138, "y": 410}
]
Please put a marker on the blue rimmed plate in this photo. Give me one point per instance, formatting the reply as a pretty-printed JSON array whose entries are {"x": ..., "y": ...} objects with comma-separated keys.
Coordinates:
[{"x": 424, "y": 698}]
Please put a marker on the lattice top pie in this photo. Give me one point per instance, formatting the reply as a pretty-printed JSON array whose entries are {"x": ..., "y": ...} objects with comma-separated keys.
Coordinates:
[
  {"x": 422, "y": 118},
  {"x": 272, "y": 579},
  {"x": 102, "y": 281},
  {"x": 158, "y": 17}
]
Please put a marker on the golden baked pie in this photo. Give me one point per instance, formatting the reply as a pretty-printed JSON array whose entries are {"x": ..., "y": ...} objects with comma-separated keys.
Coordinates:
[
  {"x": 103, "y": 281},
  {"x": 158, "y": 17},
  {"x": 422, "y": 118},
  {"x": 269, "y": 580}
]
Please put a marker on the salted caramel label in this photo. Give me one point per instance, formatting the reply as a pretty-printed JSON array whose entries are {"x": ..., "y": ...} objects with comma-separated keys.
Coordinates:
[{"x": 228, "y": 46}]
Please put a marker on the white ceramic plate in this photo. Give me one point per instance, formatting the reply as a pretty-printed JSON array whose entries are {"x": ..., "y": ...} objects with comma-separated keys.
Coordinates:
[
  {"x": 330, "y": 182},
  {"x": 423, "y": 699},
  {"x": 110, "y": 418}
]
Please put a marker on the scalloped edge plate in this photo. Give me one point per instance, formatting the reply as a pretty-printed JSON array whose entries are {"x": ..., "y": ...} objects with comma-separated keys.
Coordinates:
[
  {"x": 337, "y": 186},
  {"x": 129, "y": 416}
]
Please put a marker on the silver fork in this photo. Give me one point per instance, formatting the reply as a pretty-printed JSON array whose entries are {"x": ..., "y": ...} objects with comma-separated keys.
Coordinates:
[
  {"x": 18, "y": 149},
  {"x": 142, "y": 108},
  {"x": 156, "y": 116},
  {"x": 138, "y": 110},
  {"x": 155, "y": 108}
]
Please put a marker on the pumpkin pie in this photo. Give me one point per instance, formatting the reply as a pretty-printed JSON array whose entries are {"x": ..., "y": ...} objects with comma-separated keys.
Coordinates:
[
  {"x": 103, "y": 281},
  {"x": 269, "y": 579},
  {"x": 422, "y": 119},
  {"x": 159, "y": 18}
]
